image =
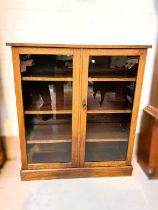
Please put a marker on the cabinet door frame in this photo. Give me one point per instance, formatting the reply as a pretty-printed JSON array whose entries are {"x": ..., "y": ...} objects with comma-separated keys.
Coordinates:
[
  {"x": 16, "y": 51},
  {"x": 85, "y": 53}
]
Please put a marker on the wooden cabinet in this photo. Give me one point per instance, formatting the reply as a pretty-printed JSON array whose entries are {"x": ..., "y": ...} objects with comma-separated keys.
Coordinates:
[
  {"x": 77, "y": 108},
  {"x": 148, "y": 142},
  {"x": 2, "y": 156}
]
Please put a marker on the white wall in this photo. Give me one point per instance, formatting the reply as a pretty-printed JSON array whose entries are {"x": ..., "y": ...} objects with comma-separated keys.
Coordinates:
[{"x": 71, "y": 22}]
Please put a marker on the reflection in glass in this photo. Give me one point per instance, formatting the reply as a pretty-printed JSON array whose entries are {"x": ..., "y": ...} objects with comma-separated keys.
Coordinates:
[
  {"x": 113, "y": 65},
  {"x": 48, "y": 138},
  {"x": 46, "y": 65},
  {"x": 49, "y": 153},
  {"x": 110, "y": 95},
  {"x": 47, "y": 95},
  {"x": 105, "y": 151},
  {"x": 107, "y": 137}
]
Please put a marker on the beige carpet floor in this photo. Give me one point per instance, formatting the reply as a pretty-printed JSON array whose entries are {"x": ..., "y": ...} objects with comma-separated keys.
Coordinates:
[{"x": 111, "y": 193}]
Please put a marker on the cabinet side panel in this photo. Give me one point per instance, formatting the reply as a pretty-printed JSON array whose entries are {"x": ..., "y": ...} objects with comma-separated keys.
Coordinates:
[
  {"x": 138, "y": 89},
  {"x": 145, "y": 138},
  {"x": 19, "y": 104}
]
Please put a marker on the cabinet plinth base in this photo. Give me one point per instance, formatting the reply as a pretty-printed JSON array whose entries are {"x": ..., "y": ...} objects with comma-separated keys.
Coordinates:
[{"x": 75, "y": 173}]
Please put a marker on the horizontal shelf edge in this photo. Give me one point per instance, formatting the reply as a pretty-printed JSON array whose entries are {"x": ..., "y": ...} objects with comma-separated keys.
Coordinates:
[
  {"x": 106, "y": 140},
  {"x": 108, "y": 111},
  {"x": 110, "y": 79},
  {"x": 48, "y": 141},
  {"x": 49, "y": 112},
  {"x": 47, "y": 79},
  {"x": 77, "y": 46}
]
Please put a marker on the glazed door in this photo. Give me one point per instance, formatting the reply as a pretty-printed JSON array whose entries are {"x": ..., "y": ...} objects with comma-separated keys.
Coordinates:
[
  {"x": 48, "y": 106},
  {"x": 109, "y": 105}
]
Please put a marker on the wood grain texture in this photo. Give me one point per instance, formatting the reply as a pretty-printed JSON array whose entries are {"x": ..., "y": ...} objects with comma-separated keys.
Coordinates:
[
  {"x": 75, "y": 107},
  {"x": 83, "y": 109},
  {"x": 137, "y": 95},
  {"x": 45, "y": 51},
  {"x": 79, "y": 110},
  {"x": 75, "y": 173},
  {"x": 55, "y": 133},
  {"x": 62, "y": 78},
  {"x": 100, "y": 132},
  {"x": 148, "y": 144},
  {"x": 112, "y": 78},
  {"x": 75, "y": 46},
  {"x": 19, "y": 104}
]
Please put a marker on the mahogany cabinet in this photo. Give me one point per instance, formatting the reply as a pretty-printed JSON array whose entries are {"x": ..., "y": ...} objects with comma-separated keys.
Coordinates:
[
  {"x": 148, "y": 142},
  {"x": 77, "y": 108},
  {"x": 2, "y": 155}
]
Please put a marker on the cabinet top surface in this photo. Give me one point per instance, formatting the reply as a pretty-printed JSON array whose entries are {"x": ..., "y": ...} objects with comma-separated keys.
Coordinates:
[{"x": 77, "y": 46}]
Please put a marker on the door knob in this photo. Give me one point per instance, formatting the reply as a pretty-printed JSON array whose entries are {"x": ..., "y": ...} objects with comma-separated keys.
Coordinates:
[{"x": 84, "y": 105}]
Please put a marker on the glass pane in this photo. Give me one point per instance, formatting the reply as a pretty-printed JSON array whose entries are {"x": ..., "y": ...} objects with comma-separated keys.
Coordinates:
[
  {"x": 107, "y": 137},
  {"x": 47, "y": 95},
  {"x": 49, "y": 138},
  {"x": 46, "y": 65},
  {"x": 49, "y": 153},
  {"x": 106, "y": 151},
  {"x": 126, "y": 66}
]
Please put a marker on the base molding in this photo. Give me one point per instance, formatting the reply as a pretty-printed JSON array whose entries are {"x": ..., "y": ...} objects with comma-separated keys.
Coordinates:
[{"x": 39, "y": 174}]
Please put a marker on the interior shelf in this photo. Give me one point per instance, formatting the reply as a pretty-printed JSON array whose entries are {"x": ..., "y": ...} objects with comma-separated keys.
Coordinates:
[
  {"x": 35, "y": 110},
  {"x": 57, "y": 99},
  {"x": 114, "y": 78},
  {"x": 100, "y": 132},
  {"x": 47, "y": 70},
  {"x": 47, "y": 78},
  {"x": 105, "y": 151},
  {"x": 47, "y": 133},
  {"x": 49, "y": 153},
  {"x": 110, "y": 105}
]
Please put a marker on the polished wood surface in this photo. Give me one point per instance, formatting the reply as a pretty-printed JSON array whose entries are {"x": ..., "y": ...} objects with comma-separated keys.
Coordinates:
[
  {"x": 82, "y": 147},
  {"x": 2, "y": 154},
  {"x": 113, "y": 78},
  {"x": 19, "y": 104},
  {"x": 57, "y": 133},
  {"x": 61, "y": 78},
  {"x": 75, "y": 173},
  {"x": 136, "y": 102},
  {"x": 148, "y": 144},
  {"x": 102, "y": 132},
  {"x": 76, "y": 46}
]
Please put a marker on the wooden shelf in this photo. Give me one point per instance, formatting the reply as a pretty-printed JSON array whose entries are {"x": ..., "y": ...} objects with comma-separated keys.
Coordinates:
[
  {"x": 105, "y": 151},
  {"x": 103, "y": 132},
  {"x": 48, "y": 111},
  {"x": 112, "y": 78},
  {"x": 49, "y": 153},
  {"x": 55, "y": 103},
  {"x": 57, "y": 133},
  {"x": 110, "y": 104},
  {"x": 58, "y": 78}
]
